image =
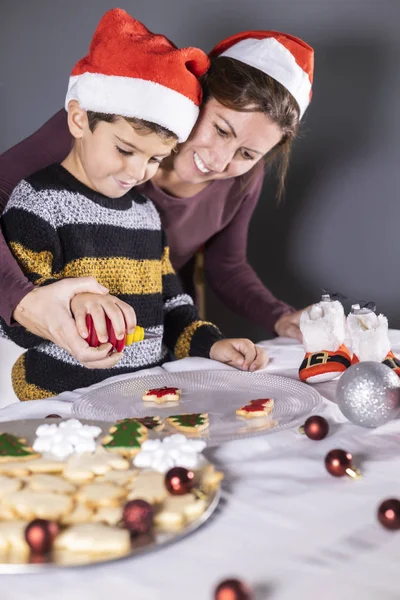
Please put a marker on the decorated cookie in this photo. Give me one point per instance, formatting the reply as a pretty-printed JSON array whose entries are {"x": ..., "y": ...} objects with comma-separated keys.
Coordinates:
[
  {"x": 177, "y": 511},
  {"x": 101, "y": 493},
  {"x": 125, "y": 437},
  {"x": 14, "y": 448},
  {"x": 84, "y": 467},
  {"x": 256, "y": 408},
  {"x": 29, "y": 505},
  {"x": 161, "y": 395},
  {"x": 154, "y": 423},
  {"x": 173, "y": 451},
  {"x": 69, "y": 437},
  {"x": 94, "y": 538},
  {"x": 149, "y": 486},
  {"x": 189, "y": 423}
]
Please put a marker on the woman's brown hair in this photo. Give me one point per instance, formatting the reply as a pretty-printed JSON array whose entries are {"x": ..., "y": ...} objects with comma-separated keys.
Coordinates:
[{"x": 241, "y": 87}]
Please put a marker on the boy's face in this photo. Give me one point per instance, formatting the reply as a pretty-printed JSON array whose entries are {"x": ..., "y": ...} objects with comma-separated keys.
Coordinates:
[{"x": 116, "y": 157}]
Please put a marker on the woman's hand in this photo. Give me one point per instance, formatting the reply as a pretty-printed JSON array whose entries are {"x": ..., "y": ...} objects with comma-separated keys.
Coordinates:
[
  {"x": 239, "y": 353},
  {"x": 289, "y": 325},
  {"x": 45, "y": 311},
  {"x": 121, "y": 315}
]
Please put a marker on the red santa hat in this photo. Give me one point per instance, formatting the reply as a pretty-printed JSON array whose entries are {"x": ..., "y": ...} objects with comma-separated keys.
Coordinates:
[
  {"x": 285, "y": 58},
  {"x": 132, "y": 72}
]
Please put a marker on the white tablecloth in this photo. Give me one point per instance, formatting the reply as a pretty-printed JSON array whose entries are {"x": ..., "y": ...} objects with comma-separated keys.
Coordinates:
[{"x": 284, "y": 524}]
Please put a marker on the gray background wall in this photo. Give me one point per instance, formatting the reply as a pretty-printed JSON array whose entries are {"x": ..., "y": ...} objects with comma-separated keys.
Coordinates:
[{"x": 339, "y": 225}]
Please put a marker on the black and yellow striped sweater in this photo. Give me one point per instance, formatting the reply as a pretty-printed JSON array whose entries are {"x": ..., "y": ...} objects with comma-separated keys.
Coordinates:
[{"x": 57, "y": 227}]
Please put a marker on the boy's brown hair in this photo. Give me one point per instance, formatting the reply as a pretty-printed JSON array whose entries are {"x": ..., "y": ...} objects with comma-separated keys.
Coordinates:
[{"x": 140, "y": 125}]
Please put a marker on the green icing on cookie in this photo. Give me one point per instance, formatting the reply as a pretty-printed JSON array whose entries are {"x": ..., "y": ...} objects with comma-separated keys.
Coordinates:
[
  {"x": 128, "y": 434},
  {"x": 10, "y": 445},
  {"x": 189, "y": 420}
]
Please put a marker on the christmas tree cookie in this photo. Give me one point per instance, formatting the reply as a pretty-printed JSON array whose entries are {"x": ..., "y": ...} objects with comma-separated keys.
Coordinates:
[
  {"x": 189, "y": 423},
  {"x": 125, "y": 437},
  {"x": 256, "y": 408},
  {"x": 15, "y": 448},
  {"x": 161, "y": 395}
]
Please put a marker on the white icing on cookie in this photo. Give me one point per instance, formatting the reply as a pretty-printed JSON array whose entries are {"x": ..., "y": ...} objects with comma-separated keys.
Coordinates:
[
  {"x": 173, "y": 451},
  {"x": 69, "y": 437}
]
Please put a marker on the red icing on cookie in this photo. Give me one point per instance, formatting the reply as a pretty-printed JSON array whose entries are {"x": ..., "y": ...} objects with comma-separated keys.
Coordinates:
[
  {"x": 256, "y": 405},
  {"x": 160, "y": 392}
]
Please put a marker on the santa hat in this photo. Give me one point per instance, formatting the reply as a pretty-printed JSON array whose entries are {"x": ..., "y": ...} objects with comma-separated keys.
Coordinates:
[
  {"x": 132, "y": 72},
  {"x": 285, "y": 58}
]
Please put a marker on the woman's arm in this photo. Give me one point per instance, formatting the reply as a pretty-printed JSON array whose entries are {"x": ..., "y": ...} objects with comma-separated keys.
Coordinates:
[
  {"x": 19, "y": 298},
  {"x": 50, "y": 144},
  {"x": 229, "y": 274}
]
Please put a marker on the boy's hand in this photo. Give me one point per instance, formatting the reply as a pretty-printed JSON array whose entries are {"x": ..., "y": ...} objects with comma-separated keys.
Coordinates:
[
  {"x": 240, "y": 353},
  {"x": 121, "y": 315}
]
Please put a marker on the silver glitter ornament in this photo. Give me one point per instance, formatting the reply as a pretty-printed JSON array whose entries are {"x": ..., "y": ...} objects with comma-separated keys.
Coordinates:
[{"x": 368, "y": 394}]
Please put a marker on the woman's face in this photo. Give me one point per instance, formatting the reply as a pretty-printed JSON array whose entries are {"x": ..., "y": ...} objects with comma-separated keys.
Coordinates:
[{"x": 224, "y": 143}]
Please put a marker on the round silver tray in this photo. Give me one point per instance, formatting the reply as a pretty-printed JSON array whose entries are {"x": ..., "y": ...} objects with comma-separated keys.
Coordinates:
[
  {"x": 219, "y": 393},
  {"x": 26, "y": 429}
]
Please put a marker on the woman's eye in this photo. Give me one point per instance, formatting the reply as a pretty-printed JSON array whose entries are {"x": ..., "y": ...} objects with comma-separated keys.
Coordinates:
[
  {"x": 124, "y": 152},
  {"x": 156, "y": 160},
  {"x": 221, "y": 132},
  {"x": 247, "y": 156}
]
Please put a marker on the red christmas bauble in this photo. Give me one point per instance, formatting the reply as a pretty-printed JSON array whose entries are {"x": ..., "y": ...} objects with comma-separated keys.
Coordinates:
[
  {"x": 232, "y": 589},
  {"x": 40, "y": 534},
  {"x": 179, "y": 481},
  {"x": 316, "y": 428},
  {"x": 137, "y": 516},
  {"x": 389, "y": 514},
  {"x": 337, "y": 462}
]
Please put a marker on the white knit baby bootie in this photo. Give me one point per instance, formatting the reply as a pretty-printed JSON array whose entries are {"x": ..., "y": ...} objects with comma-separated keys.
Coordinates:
[
  {"x": 323, "y": 329},
  {"x": 369, "y": 336}
]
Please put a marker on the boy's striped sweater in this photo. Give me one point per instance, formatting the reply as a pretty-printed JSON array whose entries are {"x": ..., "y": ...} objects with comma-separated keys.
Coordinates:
[{"x": 57, "y": 227}]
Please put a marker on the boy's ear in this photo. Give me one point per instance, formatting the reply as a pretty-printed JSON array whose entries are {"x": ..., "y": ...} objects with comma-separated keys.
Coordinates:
[{"x": 77, "y": 120}]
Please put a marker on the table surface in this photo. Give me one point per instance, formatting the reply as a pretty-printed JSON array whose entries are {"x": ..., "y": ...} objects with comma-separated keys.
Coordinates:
[{"x": 284, "y": 524}]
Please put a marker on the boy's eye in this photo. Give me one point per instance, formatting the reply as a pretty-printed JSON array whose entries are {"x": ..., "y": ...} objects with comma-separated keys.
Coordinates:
[
  {"x": 124, "y": 152},
  {"x": 221, "y": 132},
  {"x": 156, "y": 160}
]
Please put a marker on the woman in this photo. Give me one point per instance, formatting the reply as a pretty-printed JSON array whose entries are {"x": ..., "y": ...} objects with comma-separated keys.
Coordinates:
[{"x": 257, "y": 89}]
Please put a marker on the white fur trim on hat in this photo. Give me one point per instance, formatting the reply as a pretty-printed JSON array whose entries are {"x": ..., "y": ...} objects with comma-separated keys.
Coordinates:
[
  {"x": 134, "y": 97},
  {"x": 271, "y": 57},
  {"x": 323, "y": 326},
  {"x": 369, "y": 336}
]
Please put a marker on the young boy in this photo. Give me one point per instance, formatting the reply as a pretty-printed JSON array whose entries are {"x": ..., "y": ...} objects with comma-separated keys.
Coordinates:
[{"x": 129, "y": 101}]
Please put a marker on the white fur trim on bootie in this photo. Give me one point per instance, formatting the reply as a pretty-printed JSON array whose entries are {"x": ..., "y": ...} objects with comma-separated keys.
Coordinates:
[
  {"x": 323, "y": 326},
  {"x": 369, "y": 336}
]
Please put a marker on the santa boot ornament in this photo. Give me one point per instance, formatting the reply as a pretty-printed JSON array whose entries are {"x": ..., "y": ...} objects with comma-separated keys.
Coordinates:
[
  {"x": 369, "y": 337},
  {"x": 323, "y": 329}
]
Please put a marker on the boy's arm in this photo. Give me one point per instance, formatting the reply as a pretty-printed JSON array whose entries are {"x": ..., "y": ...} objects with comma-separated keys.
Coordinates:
[
  {"x": 184, "y": 333},
  {"x": 33, "y": 241}
]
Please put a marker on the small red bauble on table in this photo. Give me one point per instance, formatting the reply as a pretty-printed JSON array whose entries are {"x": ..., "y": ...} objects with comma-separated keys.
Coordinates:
[
  {"x": 138, "y": 516},
  {"x": 179, "y": 481},
  {"x": 339, "y": 463},
  {"x": 233, "y": 589},
  {"x": 316, "y": 428},
  {"x": 389, "y": 514},
  {"x": 40, "y": 534}
]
